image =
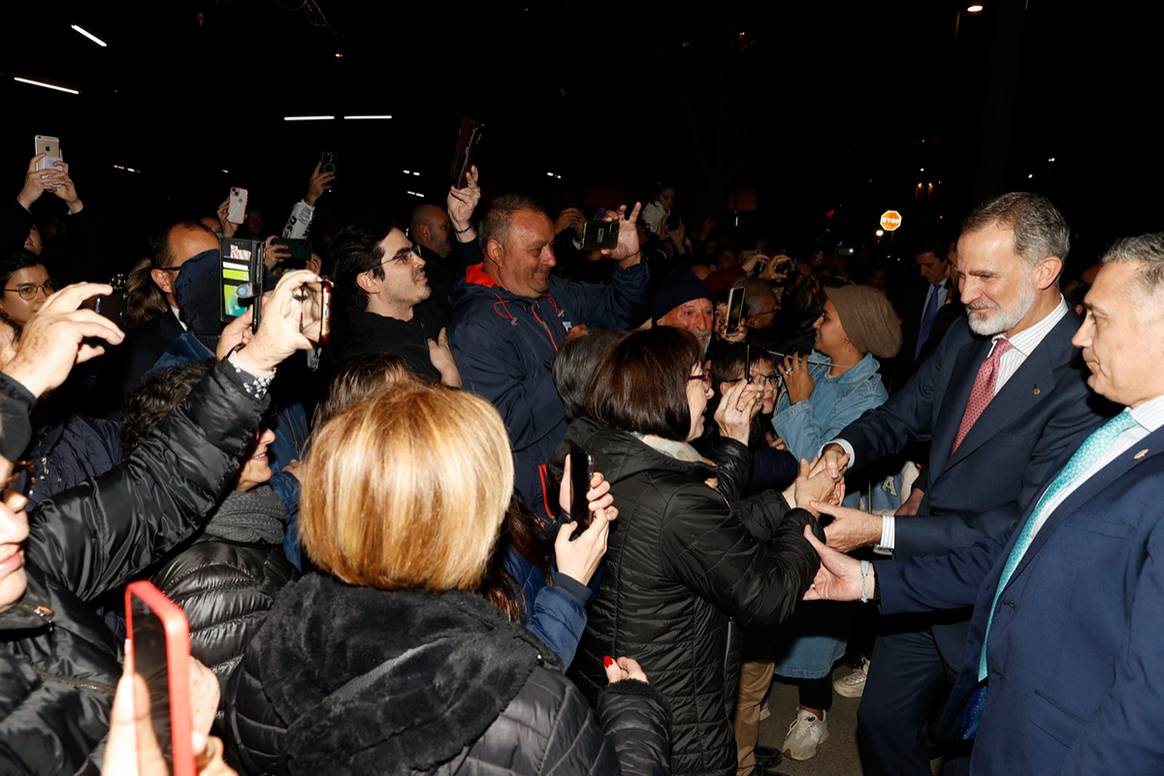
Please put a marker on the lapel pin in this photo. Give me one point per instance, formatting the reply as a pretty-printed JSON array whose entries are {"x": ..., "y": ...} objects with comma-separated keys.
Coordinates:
[
  {"x": 1141, "y": 454},
  {"x": 1036, "y": 392}
]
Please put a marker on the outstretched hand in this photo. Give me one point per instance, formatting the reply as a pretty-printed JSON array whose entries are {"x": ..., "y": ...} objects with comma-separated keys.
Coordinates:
[
  {"x": 839, "y": 576},
  {"x": 626, "y": 252}
]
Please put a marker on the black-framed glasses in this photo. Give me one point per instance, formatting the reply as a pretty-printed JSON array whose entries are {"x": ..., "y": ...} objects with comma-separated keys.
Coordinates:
[
  {"x": 20, "y": 479},
  {"x": 28, "y": 291},
  {"x": 405, "y": 255},
  {"x": 705, "y": 377}
]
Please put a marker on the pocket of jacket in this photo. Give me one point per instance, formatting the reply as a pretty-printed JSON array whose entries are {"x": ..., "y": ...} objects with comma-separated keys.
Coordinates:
[{"x": 1054, "y": 720}]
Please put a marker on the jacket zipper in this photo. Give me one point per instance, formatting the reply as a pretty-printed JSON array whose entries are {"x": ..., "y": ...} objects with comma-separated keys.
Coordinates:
[{"x": 533, "y": 309}]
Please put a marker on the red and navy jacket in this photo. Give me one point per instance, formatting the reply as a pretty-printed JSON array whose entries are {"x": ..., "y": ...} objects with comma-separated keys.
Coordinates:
[{"x": 505, "y": 344}]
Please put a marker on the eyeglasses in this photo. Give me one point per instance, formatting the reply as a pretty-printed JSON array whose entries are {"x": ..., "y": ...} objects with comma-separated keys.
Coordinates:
[
  {"x": 705, "y": 377},
  {"x": 28, "y": 291},
  {"x": 20, "y": 479},
  {"x": 405, "y": 255}
]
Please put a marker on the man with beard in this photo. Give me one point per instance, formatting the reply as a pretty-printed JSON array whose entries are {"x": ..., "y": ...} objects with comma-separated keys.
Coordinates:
[
  {"x": 382, "y": 292},
  {"x": 684, "y": 302},
  {"x": 511, "y": 316},
  {"x": 1001, "y": 401}
]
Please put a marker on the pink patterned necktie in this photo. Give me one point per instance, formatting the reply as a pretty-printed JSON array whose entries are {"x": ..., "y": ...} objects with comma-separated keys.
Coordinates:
[{"x": 983, "y": 390}]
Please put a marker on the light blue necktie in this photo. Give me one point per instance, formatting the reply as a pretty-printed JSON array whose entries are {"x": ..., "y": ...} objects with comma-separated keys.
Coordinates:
[{"x": 1085, "y": 457}]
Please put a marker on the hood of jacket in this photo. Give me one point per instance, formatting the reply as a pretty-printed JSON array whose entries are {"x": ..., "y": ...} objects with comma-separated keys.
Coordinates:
[{"x": 394, "y": 682}]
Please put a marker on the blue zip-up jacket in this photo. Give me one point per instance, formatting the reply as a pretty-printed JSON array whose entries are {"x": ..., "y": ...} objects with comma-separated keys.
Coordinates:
[
  {"x": 556, "y": 613},
  {"x": 835, "y": 403},
  {"x": 505, "y": 344}
]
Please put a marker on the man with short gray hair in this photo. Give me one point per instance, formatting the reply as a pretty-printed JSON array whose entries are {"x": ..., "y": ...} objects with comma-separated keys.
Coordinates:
[
  {"x": 1000, "y": 400},
  {"x": 1066, "y": 671}
]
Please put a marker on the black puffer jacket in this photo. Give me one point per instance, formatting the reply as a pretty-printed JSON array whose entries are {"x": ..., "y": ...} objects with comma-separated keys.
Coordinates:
[
  {"x": 227, "y": 579},
  {"x": 353, "y": 680},
  {"x": 59, "y": 663},
  {"x": 685, "y": 563}
]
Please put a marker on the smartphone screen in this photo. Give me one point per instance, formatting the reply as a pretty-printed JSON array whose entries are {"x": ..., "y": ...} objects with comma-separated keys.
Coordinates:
[
  {"x": 735, "y": 309},
  {"x": 160, "y": 640},
  {"x": 315, "y": 313},
  {"x": 298, "y": 247},
  {"x": 600, "y": 234},
  {"x": 581, "y": 468}
]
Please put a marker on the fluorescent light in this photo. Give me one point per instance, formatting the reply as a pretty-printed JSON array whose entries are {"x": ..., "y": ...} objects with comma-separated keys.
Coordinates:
[
  {"x": 1051, "y": 160},
  {"x": 975, "y": 8},
  {"x": 368, "y": 116},
  {"x": 90, "y": 36},
  {"x": 47, "y": 86},
  {"x": 407, "y": 172},
  {"x": 880, "y": 233},
  {"x": 550, "y": 174},
  {"x": 417, "y": 174},
  {"x": 559, "y": 177},
  {"x": 415, "y": 194},
  {"x": 227, "y": 172},
  {"x": 308, "y": 118}
]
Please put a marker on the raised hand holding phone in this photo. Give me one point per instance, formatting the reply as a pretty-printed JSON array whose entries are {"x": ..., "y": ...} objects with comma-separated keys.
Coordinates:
[{"x": 578, "y": 556}]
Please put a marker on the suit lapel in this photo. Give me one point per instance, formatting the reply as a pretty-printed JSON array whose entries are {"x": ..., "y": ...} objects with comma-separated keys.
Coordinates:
[
  {"x": 953, "y": 403},
  {"x": 1128, "y": 460}
]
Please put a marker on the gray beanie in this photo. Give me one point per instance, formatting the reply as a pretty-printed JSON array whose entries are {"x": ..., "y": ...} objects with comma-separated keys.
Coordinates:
[{"x": 868, "y": 319}]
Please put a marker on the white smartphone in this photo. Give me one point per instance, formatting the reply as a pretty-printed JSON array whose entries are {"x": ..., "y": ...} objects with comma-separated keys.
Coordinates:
[
  {"x": 237, "y": 213},
  {"x": 51, "y": 148}
]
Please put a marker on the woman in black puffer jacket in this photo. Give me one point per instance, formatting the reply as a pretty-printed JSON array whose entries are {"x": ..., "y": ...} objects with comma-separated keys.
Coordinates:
[
  {"x": 395, "y": 664},
  {"x": 687, "y": 560}
]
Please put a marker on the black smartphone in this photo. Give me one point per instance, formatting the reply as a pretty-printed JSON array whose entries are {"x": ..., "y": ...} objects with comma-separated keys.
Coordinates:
[
  {"x": 315, "y": 314},
  {"x": 111, "y": 306},
  {"x": 747, "y": 363},
  {"x": 241, "y": 279},
  {"x": 581, "y": 469},
  {"x": 465, "y": 154},
  {"x": 298, "y": 247},
  {"x": 600, "y": 234},
  {"x": 327, "y": 162},
  {"x": 735, "y": 314}
]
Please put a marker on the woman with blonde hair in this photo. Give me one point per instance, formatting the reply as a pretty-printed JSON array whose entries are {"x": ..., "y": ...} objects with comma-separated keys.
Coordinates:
[{"x": 391, "y": 661}]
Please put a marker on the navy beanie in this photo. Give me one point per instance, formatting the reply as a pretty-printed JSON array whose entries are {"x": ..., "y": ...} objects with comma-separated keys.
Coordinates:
[{"x": 679, "y": 285}]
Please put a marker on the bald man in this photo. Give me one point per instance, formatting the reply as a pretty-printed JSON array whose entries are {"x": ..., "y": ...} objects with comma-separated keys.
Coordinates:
[{"x": 446, "y": 259}]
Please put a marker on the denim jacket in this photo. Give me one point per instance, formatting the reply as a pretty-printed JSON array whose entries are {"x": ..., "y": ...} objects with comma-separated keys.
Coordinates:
[{"x": 835, "y": 403}]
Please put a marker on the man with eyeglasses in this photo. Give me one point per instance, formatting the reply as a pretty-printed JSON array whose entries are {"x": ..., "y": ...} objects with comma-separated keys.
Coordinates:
[{"x": 382, "y": 299}]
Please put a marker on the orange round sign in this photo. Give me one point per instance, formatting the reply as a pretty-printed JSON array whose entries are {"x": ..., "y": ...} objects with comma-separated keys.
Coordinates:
[{"x": 890, "y": 220}]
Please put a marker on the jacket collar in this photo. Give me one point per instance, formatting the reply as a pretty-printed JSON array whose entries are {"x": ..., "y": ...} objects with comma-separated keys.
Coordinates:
[
  {"x": 477, "y": 276},
  {"x": 32, "y": 611}
]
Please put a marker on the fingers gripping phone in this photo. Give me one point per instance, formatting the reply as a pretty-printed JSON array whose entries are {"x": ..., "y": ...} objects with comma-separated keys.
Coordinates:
[
  {"x": 51, "y": 148},
  {"x": 112, "y": 306},
  {"x": 315, "y": 311},
  {"x": 581, "y": 470},
  {"x": 159, "y": 643},
  {"x": 600, "y": 234}
]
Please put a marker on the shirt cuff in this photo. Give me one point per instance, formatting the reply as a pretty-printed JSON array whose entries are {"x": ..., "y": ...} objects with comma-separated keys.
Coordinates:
[{"x": 888, "y": 533}]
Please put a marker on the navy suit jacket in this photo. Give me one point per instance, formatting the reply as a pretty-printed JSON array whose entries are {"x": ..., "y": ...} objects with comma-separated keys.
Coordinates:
[
  {"x": 1076, "y": 659},
  {"x": 1000, "y": 465}
]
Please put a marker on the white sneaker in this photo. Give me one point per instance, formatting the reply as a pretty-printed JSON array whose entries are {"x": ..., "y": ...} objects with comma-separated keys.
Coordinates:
[
  {"x": 765, "y": 712},
  {"x": 852, "y": 684},
  {"x": 805, "y": 735}
]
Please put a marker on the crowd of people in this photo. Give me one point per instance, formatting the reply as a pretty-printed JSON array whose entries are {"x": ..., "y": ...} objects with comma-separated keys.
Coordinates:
[{"x": 373, "y": 535}]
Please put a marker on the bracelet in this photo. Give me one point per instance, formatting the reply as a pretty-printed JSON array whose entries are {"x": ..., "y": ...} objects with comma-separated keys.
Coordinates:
[
  {"x": 462, "y": 231},
  {"x": 864, "y": 578}
]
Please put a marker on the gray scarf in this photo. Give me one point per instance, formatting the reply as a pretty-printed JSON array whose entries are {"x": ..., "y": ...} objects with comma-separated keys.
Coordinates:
[{"x": 249, "y": 517}]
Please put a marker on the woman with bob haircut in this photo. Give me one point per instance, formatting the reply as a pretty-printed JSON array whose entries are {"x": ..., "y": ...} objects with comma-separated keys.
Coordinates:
[
  {"x": 688, "y": 560},
  {"x": 392, "y": 662}
]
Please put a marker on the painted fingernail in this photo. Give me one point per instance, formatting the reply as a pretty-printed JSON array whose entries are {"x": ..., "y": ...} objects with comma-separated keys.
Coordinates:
[{"x": 607, "y": 661}]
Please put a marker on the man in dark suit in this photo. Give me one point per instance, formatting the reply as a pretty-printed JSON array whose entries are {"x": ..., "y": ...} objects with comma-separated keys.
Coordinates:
[
  {"x": 1000, "y": 400},
  {"x": 1063, "y": 671}
]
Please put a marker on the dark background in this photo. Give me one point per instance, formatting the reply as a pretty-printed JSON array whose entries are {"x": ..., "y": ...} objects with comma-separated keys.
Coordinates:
[{"x": 809, "y": 119}]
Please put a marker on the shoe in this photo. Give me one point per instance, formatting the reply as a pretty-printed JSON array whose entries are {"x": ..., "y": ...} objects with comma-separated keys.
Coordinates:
[
  {"x": 852, "y": 684},
  {"x": 805, "y": 735},
  {"x": 768, "y": 756},
  {"x": 765, "y": 712}
]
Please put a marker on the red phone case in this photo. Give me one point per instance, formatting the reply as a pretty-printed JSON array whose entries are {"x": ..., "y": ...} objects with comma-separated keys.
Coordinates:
[{"x": 177, "y": 632}]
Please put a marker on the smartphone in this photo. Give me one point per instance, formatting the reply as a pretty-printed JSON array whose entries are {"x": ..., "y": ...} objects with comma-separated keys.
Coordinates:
[
  {"x": 315, "y": 314},
  {"x": 581, "y": 469},
  {"x": 735, "y": 314},
  {"x": 240, "y": 278},
  {"x": 747, "y": 363},
  {"x": 111, "y": 306},
  {"x": 299, "y": 248},
  {"x": 465, "y": 154},
  {"x": 237, "y": 213},
  {"x": 327, "y": 162},
  {"x": 599, "y": 234},
  {"x": 51, "y": 148},
  {"x": 159, "y": 643}
]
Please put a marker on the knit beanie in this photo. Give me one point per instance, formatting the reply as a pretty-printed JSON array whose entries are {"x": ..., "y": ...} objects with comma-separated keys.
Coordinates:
[
  {"x": 868, "y": 319},
  {"x": 679, "y": 285}
]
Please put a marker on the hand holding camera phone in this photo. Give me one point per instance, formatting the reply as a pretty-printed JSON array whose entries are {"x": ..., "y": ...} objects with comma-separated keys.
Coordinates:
[
  {"x": 581, "y": 470},
  {"x": 52, "y": 160},
  {"x": 315, "y": 313},
  {"x": 237, "y": 211}
]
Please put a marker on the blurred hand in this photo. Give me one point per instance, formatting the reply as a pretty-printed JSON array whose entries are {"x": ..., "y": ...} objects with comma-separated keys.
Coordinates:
[
  {"x": 577, "y": 331},
  {"x": 749, "y": 264},
  {"x": 36, "y": 182},
  {"x": 204, "y": 697},
  {"x": 54, "y": 339},
  {"x": 237, "y": 332},
  {"x": 812, "y": 484},
  {"x": 295, "y": 469},
  {"x": 678, "y": 237},
  {"x": 796, "y": 378},
  {"x": 721, "y": 316},
  {"x": 442, "y": 360},
  {"x": 626, "y": 252},
  {"x": 738, "y": 405},
  {"x": 839, "y": 576},
  {"x": 570, "y": 218},
  {"x": 623, "y": 668},
  {"x": 462, "y": 202},
  {"x": 910, "y": 506},
  {"x": 850, "y": 528},
  {"x": 777, "y": 268},
  {"x": 228, "y": 227},
  {"x": 279, "y": 332},
  {"x": 775, "y": 442},
  {"x": 66, "y": 190},
  {"x": 274, "y": 255},
  {"x": 835, "y": 459},
  {"x": 314, "y": 264},
  {"x": 317, "y": 184}
]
